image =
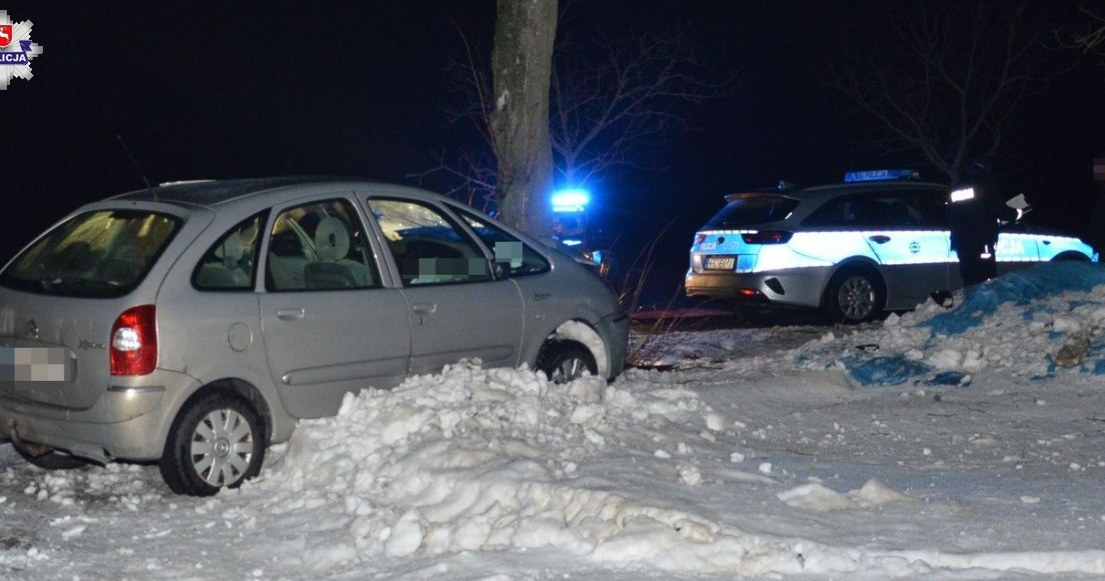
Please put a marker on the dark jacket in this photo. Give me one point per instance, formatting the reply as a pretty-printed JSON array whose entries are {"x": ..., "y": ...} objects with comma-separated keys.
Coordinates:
[{"x": 974, "y": 216}]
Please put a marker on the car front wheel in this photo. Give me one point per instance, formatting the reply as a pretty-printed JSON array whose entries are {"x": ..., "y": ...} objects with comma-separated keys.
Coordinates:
[
  {"x": 216, "y": 442},
  {"x": 854, "y": 295},
  {"x": 564, "y": 361}
]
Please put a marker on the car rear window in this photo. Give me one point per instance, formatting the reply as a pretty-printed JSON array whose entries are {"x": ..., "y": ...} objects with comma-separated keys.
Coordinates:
[
  {"x": 104, "y": 253},
  {"x": 752, "y": 210}
]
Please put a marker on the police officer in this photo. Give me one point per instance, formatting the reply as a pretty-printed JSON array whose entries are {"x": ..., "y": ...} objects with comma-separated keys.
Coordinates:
[{"x": 974, "y": 209}]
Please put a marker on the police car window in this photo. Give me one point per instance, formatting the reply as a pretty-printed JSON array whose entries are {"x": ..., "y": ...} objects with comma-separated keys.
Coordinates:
[
  {"x": 930, "y": 206},
  {"x": 522, "y": 259},
  {"x": 894, "y": 210},
  {"x": 753, "y": 210},
  {"x": 844, "y": 212}
]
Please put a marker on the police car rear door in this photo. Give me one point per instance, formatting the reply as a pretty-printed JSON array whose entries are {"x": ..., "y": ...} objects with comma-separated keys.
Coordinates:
[{"x": 906, "y": 231}]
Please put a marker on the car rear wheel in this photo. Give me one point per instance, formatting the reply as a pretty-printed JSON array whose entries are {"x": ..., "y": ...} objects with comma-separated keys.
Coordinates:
[
  {"x": 854, "y": 295},
  {"x": 216, "y": 442},
  {"x": 564, "y": 361}
]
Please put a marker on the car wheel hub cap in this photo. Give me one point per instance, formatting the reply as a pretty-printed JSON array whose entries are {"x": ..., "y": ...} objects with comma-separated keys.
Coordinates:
[
  {"x": 222, "y": 447},
  {"x": 857, "y": 298}
]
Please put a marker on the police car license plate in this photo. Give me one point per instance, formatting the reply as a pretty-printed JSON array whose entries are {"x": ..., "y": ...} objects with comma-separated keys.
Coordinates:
[{"x": 720, "y": 262}]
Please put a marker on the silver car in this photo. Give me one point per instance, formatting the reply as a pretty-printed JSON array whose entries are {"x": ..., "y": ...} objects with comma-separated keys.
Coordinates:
[
  {"x": 193, "y": 323},
  {"x": 878, "y": 242}
]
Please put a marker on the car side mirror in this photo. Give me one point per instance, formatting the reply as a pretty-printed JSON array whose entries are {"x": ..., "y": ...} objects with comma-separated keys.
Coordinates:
[{"x": 500, "y": 270}]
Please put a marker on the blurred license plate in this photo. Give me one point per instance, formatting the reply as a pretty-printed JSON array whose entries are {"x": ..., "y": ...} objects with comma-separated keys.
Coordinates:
[
  {"x": 34, "y": 365},
  {"x": 721, "y": 262}
]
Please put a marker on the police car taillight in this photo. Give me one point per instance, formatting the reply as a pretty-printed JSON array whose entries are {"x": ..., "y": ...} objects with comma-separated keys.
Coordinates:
[
  {"x": 767, "y": 237},
  {"x": 699, "y": 239},
  {"x": 134, "y": 341}
]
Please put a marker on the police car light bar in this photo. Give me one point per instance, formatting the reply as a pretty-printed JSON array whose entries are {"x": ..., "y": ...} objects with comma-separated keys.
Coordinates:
[
  {"x": 570, "y": 201},
  {"x": 876, "y": 175}
]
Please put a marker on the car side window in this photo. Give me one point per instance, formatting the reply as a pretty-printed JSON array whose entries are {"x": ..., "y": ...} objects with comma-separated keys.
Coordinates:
[
  {"x": 894, "y": 210},
  {"x": 842, "y": 212},
  {"x": 428, "y": 248},
  {"x": 319, "y": 246},
  {"x": 930, "y": 206},
  {"x": 230, "y": 263},
  {"x": 522, "y": 259}
]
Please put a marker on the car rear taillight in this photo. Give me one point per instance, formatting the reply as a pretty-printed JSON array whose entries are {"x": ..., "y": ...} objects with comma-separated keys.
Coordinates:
[
  {"x": 134, "y": 341},
  {"x": 767, "y": 237},
  {"x": 699, "y": 239}
]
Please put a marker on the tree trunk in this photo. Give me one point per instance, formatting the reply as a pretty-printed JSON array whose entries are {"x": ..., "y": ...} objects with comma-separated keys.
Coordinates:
[{"x": 522, "y": 68}]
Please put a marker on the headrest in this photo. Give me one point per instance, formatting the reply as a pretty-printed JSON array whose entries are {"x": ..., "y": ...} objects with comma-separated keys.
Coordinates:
[
  {"x": 232, "y": 250},
  {"x": 331, "y": 239}
]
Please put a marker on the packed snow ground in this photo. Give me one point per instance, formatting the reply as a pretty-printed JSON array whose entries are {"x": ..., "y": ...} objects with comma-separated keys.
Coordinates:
[{"x": 941, "y": 444}]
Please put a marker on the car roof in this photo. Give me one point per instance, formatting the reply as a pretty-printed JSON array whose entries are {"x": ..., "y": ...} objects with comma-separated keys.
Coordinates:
[
  {"x": 823, "y": 192},
  {"x": 209, "y": 193}
]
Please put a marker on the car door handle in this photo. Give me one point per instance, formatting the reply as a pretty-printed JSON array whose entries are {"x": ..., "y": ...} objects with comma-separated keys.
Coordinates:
[
  {"x": 879, "y": 239},
  {"x": 1046, "y": 242},
  {"x": 290, "y": 314},
  {"x": 424, "y": 308}
]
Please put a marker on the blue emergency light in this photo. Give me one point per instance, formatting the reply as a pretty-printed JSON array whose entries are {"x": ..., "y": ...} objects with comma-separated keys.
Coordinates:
[
  {"x": 881, "y": 175},
  {"x": 572, "y": 201}
]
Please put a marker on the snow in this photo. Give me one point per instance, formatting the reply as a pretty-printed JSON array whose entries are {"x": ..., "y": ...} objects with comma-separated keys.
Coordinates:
[{"x": 939, "y": 444}]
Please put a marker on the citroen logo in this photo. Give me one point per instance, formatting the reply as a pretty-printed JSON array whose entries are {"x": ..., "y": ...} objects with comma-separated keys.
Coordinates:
[{"x": 31, "y": 330}]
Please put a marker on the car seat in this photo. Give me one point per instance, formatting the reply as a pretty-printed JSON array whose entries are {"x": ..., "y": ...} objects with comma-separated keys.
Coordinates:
[{"x": 333, "y": 269}]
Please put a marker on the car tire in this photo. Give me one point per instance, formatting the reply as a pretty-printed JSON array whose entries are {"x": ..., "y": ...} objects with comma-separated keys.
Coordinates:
[
  {"x": 854, "y": 295},
  {"x": 564, "y": 361},
  {"x": 1071, "y": 257},
  {"x": 52, "y": 459},
  {"x": 216, "y": 442}
]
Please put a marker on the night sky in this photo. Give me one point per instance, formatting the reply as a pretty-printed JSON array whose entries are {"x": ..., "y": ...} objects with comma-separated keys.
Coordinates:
[{"x": 242, "y": 89}]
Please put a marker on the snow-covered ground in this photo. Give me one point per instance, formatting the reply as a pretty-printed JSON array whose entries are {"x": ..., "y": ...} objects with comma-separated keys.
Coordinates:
[{"x": 942, "y": 444}]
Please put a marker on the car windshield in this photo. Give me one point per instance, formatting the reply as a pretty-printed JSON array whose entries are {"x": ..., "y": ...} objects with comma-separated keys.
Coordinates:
[
  {"x": 752, "y": 210},
  {"x": 105, "y": 253}
]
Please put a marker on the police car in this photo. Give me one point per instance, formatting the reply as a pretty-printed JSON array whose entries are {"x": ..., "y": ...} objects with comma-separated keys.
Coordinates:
[{"x": 877, "y": 242}]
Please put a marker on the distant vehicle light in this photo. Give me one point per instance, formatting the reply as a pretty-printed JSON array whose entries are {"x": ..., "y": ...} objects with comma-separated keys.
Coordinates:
[
  {"x": 880, "y": 175},
  {"x": 570, "y": 201}
]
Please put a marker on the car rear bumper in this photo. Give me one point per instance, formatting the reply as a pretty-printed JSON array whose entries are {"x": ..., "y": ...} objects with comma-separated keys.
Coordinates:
[
  {"x": 798, "y": 287},
  {"x": 127, "y": 421}
]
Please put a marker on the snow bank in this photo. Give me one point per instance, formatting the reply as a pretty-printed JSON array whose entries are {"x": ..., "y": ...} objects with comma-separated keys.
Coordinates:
[
  {"x": 1033, "y": 323},
  {"x": 485, "y": 460}
]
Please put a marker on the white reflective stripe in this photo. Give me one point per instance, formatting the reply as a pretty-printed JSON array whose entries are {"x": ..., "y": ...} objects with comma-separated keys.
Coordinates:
[{"x": 963, "y": 195}]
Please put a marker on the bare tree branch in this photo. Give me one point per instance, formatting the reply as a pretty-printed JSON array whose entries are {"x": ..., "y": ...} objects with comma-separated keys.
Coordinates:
[
  {"x": 610, "y": 100},
  {"x": 945, "y": 77}
]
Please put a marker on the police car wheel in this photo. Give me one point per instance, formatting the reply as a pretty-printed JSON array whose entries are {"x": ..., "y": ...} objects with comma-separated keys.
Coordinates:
[{"x": 854, "y": 295}]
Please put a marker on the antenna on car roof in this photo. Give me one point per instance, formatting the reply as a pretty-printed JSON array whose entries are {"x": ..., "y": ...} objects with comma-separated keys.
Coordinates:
[{"x": 137, "y": 167}]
